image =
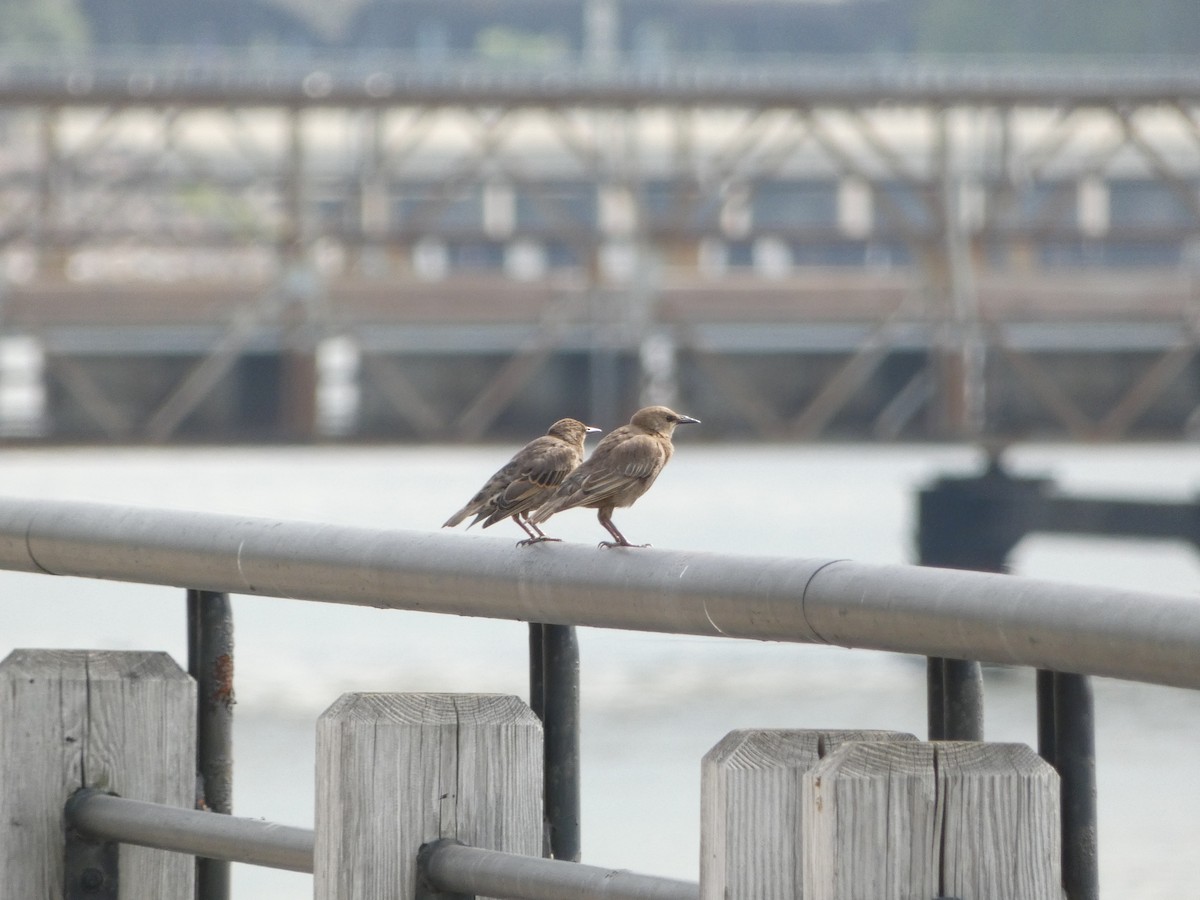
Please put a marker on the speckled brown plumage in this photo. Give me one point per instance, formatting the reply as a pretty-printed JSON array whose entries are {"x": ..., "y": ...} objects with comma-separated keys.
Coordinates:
[
  {"x": 622, "y": 467},
  {"x": 527, "y": 479}
]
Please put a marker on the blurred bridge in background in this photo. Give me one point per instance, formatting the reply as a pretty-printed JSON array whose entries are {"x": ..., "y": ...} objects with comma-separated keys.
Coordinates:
[{"x": 251, "y": 248}]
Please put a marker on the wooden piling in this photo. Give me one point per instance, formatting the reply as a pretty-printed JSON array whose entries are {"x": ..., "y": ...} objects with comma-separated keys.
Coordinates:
[
  {"x": 869, "y": 819},
  {"x": 750, "y": 833},
  {"x": 858, "y": 815},
  {"x": 121, "y": 722},
  {"x": 1001, "y": 822},
  {"x": 967, "y": 820},
  {"x": 395, "y": 771}
]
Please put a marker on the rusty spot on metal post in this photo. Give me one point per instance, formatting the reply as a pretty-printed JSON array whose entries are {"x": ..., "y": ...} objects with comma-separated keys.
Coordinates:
[{"x": 222, "y": 683}]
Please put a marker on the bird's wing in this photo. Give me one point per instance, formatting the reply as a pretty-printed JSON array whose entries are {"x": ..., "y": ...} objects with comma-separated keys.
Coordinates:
[
  {"x": 552, "y": 462},
  {"x": 612, "y": 469},
  {"x": 635, "y": 459},
  {"x": 539, "y": 472}
]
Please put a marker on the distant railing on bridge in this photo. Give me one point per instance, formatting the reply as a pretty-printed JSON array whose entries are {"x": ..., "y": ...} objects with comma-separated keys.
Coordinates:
[
  {"x": 939, "y": 613},
  {"x": 373, "y": 79}
]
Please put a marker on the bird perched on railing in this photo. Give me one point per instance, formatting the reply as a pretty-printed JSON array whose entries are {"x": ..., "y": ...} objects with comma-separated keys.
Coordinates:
[
  {"x": 528, "y": 479},
  {"x": 620, "y": 469}
]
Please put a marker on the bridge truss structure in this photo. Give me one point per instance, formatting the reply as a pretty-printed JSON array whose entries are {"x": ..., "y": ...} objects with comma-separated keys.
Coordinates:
[{"x": 883, "y": 251}]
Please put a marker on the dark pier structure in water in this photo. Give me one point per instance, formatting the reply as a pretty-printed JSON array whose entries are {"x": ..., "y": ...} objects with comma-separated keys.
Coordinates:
[{"x": 226, "y": 250}]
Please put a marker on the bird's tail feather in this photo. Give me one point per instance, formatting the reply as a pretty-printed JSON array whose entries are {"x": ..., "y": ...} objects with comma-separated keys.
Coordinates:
[
  {"x": 546, "y": 510},
  {"x": 458, "y": 517}
]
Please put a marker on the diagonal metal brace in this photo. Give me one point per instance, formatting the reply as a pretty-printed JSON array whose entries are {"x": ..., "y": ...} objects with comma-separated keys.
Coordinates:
[{"x": 90, "y": 869}]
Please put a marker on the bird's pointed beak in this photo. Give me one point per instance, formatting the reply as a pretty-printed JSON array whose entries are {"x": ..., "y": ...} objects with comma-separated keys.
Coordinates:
[
  {"x": 688, "y": 420},
  {"x": 592, "y": 429}
]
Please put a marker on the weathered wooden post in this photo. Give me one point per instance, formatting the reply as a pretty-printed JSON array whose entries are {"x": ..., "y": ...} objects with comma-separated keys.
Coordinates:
[
  {"x": 395, "y": 771},
  {"x": 966, "y": 820},
  {"x": 870, "y": 820},
  {"x": 862, "y": 815},
  {"x": 750, "y": 832},
  {"x": 1001, "y": 822},
  {"x": 122, "y": 722}
]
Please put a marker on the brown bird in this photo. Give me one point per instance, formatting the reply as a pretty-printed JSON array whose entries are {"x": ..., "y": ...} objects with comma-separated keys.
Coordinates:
[
  {"x": 620, "y": 469},
  {"x": 527, "y": 479}
]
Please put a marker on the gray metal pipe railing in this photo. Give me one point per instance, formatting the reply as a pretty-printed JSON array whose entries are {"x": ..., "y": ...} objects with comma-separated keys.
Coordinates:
[
  {"x": 452, "y": 867},
  {"x": 1008, "y": 619},
  {"x": 104, "y": 817},
  {"x": 447, "y": 865}
]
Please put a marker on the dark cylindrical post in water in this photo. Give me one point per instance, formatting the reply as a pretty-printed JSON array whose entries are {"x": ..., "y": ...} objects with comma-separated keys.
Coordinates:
[
  {"x": 560, "y": 655},
  {"x": 210, "y": 662}
]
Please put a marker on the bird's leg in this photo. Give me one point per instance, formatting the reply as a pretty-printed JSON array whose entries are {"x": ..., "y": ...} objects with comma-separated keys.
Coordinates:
[
  {"x": 605, "y": 518},
  {"x": 536, "y": 535}
]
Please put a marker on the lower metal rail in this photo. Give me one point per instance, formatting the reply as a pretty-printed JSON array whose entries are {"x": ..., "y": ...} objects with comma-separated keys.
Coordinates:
[
  {"x": 102, "y": 816},
  {"x": 450, "y": 868}
]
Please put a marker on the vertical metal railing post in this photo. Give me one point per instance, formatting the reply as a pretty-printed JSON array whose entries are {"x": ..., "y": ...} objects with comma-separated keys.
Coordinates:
[
  {"x": 935, "y": 698},
  {"x": 210, "y": 662},
  {"x": 1047, "y": 744},
  {"x": 954, "y": 691},
  {"x": 559, "y": 699},
  {"x": 537, "y": 702},
  {"x": 537, "y": 672},
  {"x": 962, "y": 700},
  {"x": 1075, "y": 752}
]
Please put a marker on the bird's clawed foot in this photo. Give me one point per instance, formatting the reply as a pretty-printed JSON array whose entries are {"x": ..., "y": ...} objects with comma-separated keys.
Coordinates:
[
  {"x": 605, "y": 518},
  {"x": 538, "y": 540}
]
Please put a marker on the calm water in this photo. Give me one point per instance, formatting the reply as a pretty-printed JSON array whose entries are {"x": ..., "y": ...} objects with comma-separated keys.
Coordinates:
[{"x": 653, "y": 704}]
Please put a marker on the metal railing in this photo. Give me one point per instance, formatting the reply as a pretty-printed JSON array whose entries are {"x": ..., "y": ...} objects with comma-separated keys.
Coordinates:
[
  {"x": 446, "y": 865},
  {"x": 1006, "y": 619},
  {"x": 228, "y": 838},
  {"x": 379, "y": 79},
  {"x": 940, "y": 613}
]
